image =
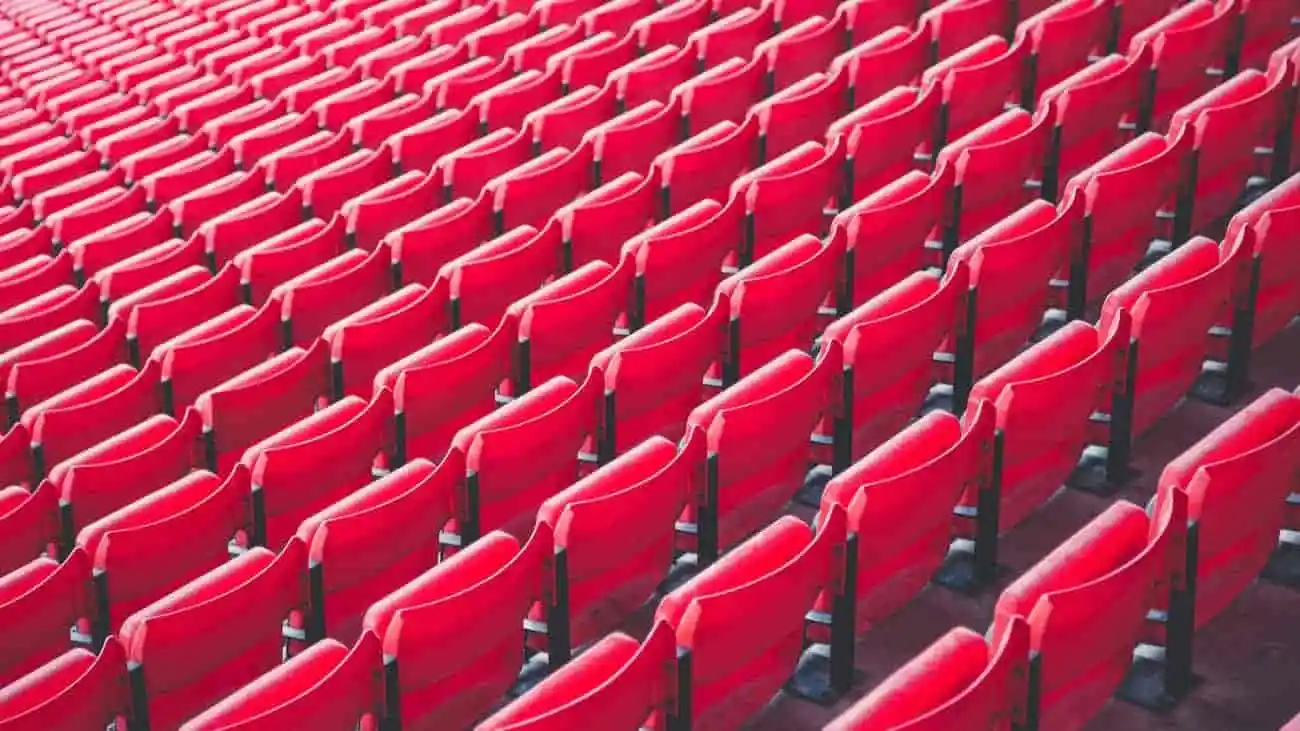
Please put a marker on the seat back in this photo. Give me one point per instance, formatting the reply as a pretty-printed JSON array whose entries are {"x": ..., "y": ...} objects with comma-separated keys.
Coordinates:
[
  {"x": 29, "y": 519},
  {"x": 315, "y": 462},
  {"x": 1268, "y": 221},
  {"x": 420, "y": 248},
  {"x": 1087, "y": 109},
  {"x": 955, "y": 25},
  {"x": 704, "y": 165},
  {"x": 372, "y": 542},
  {"x": 786, "y": 117},
  {"x": 1064, "y": 37},
  {"x": 131, "y": 548},
  {"x": 616, "y": 528},
  {"x": 788, "y": 196},
  {"x": 278, "y": 259},
  {"x": 484, "y": 282},
  {"x": 596, "y": 225},
  {"x": 177, "y": 672},
  {"x": 899, "y": 500},
  {"x": 977, "y": 83},
  {"x": 76, "y": 690},
  {"x": 895, "y": 57},
  {"x": 39, "y": 602},
  {"x": 680, "y": 259},
  {"x": 1237, "y": 479},
  {"x": 381, "y": 333},
  {"x": 215, "y": 351},
  {"x": 733, "y": 644},
  {"x": 905, "y": 118},
  {"x": 1186, "y": 44},
  {"x": 314, "y": 299}
]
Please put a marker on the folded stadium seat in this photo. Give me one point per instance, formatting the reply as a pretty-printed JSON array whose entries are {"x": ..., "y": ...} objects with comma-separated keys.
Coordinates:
[
  {"x": 595, "y": 226},
  {"x": 535, "y": 51},
  {"x": 467, "y": 169},
  {"x": 1089, "y": 112},
  {"x": 631, "y": 141},
  {"x": 559, "y": 328},
  {"x": 1266, "y": 223},
  {"x": 32, "y": 381},
  {"x": 955, "y": 25},
  {"x": 421, "y": 247},
  {"x": 804, "y": 46},
  {"x": 1124, "y": 193},
  {"x": 137, "y": 137},
  {"x": 285, "y": 167},
  {"x": 774, "y": 304},
  {"x": 428, "y": 413},
  {"x": 141, "y": 270},
  {"x": 1012, "y": 265},
  {"x": 14, "y": 219},
  {"x": 705, "y": 165},
  {"x": 327, "y": 686},
  {"x": 746, "y": 480},
  {"x": 903, "y": 327},
  {"x": 589, "y": 62},
  {"x": 899, "y": 499},
  {"x": 383, "y": 13},
  {"x": 94, "y": 213},
  {"x": 1264, "y": 27},
  {"x": 67, "y": 194},
  {"x": 176, "y": 672},
  {"x": 39, "y": 603},
  {"x": 455, "y": 88},
  {"x": 1228, "y": 124},
  {"x": 417, "y": 21},
  {"x": 381, "y": 333},
  {"x": 1185, "y": 45},
  {"x": 152, "y": 88},
  {"x": 653, "y": 76},
  {"x": 302, "y": 95},
  {"x": 906, "y": 117},
  {"x": 1174, "y": 303},
  {"x": 215, "y": 351},
  {"x": 528, "y": 194},
  {"x": 227, "y": 233},
  {"x": 493, "y": 38},
  {"x": 420, "y": 146},
  {"x": 614, "y": 534},
  {"x": 786, "y": 117},
  {"x": 411, "y": 75},
  {"x": 165, "y": 103},
  {"x": 58, "y": 171},
  {"x": 217, "y": 60},
  {"x": 1238, "y": 478},
  {"x": 782, "y": 568},
  {"x": 371, "y": 543},
  {"x": 788, "y": 197},
  {"x": 504, "y": 105},
  {"x": 959, "y": 681},
  {"x": 1063, "y": 38},
  {"x": 33, "y": 277},
  {"x": 260, "y": 402},
  {"x": 672, "y": 24},
  {"x": 736, "y": 35},
  {"x": 372, "y": 127},
  {"x": 121, "y": 469},
  {"x": 680, "y": 259},
  {"x": 312, "y": 300},
  {"x": 197, "y": 112},
  {"x": 220, "y": 130},
  {"x": 332, "y": 31},
  {"x": 56, "y": 342},
  {"x": 185, "y": 176},
  {"x": 452, "y": 635},
  {"x": 1086, "y": 604},
  {"x": 325, "y": 189},
  {"x": 198, "y": 509},
  {"x": 251, "y": 147},
  {"x": 552, "y": 13},
  {"x": 29, "y": 519},
  {"x": 547, "y": 426},
  {"x": 725, "y": 92},
  {"x": 119, "y": 240},
  {"x": 344, "y": 52},
  {"x": 153, "y": 322},
  {"x": 977, "y": 85},
  {"x": 40, "y": 136},
  {"x": 41, "y": 314},
  {"x": 136, "y": 166},
  {"x": 22, "y": 244},
  {"x": 377, "y": 62},
  {"x": 616, "y": 16},
  {"x": 200, "y": 205},
  {"x": 78, "y": 689},
  {"x": 997, "y": 169},
  {"x": 1043, "y": 400},
  {"x": 484, "y": 282},
  {"x": 565, "y": 121},
  {"x": 613, "y": 684}
]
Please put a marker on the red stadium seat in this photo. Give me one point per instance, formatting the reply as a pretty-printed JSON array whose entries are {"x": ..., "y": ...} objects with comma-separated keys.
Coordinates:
[
  {"x": 786, "y": 117},
  {"x": 955, "y": 25},
  {"x": 319, "y": 296},
  {"x": 469, "y": 168},
  {"x": 327, "y": 188},
  {"x": 1268, "y": 222},
  {"x": 596, "y": 225},
  {"x": 372, "y": 542},
  {"x": 565, "y": 121},
  {"x": 421, "y": 247},
  {"x": 251, "y": 147},
  {"x": 653, "y": 76},
  {"x": 389, "y": 206},
  {"x": 177, "y": 672},
  {"x": 420, "y": 146},
  {"x": 672, "y": 24},
  {"x": 680, "y": 259},
  {"x": 977, "y": 84},
  {"x": 736, "y": 35},
  {"x": 527, "y": 195},
  {"x": 1185, "y": 45},
  {"x": 381, "y": 333},
  {"x": 327, "y": 686},
  {"x": 591, "y": 61},
  {"x": 804, "y": 46},
  {"x": 881, "y": 138},
  {"x": 505, "y": 104},
  {"x": 453, "y": 634},
  {"x": 544, "y": 430},
  {"x": 1086, "y": 604},
  {"x": 290, "y": 480},
  {"x": 899, "y": 500},
  {"x": 724, "y": 93},
  {"x": 33, "y": 277},
  {"x": 78, "y": 689},
  {"x": 631, "y": 141},
  {"x": 484, "y": 282},
  {"x": 193, "y": 209},
  {"x": 33, "y": 381},
  {"x": 279, "y": 258},
  {"x": 895, "y": 57},
  {"x": 752, "y": 476},
  {"x": 39, "y": 603},
  {"x": 534, "y": 52},
  {"x": 428, "y": 413},
  {"x": 260, "y": 402},
  {"x": 372, "y": 127},
  {"x": 960, "y": 681},
  {"x": 29, "y": 519},
  {"x": 46, "y": 312},
  {"x": 705, "y": 165},
  {"x": 411, "y": 74},
  {"x": 1237, "y": 479},
  {"x": 908, "y": 322},
  {"x": 187, "y": 175},
  {"x": 215, "y": 351},
  {"x": 1064, "y": 37},
  {"x": 199, "y": 509},
  {"x": 780, "y": 569},
  {"x": 157, "y": 320}
]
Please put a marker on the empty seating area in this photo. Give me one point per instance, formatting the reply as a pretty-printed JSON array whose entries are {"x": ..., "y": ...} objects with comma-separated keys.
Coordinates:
[{"x": 406, "y": 364}]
